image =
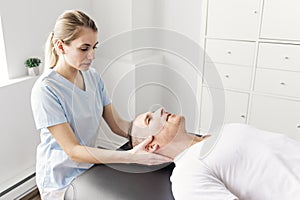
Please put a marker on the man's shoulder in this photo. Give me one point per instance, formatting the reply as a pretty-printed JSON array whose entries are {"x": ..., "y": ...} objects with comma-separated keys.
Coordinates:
[{"x": 236, "y": 126}]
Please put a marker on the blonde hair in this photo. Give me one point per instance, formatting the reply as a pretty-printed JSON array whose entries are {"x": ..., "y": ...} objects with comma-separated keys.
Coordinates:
[{"x": 67, "y": 28}]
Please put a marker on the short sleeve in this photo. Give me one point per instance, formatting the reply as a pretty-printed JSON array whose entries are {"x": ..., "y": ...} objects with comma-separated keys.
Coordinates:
[
  {"x": 197, "y": 183},
  {"x": 46, "y": 107},
  {"x": 104, "y": 94}
]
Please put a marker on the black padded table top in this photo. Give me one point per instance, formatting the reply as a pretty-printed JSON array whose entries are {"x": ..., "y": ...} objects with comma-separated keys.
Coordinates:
[
  {"x": 109, "y": 183},
  {"x": 123, "y": 182}
]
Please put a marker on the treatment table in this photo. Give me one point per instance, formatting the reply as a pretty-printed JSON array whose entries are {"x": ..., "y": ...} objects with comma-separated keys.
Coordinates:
[{"x": 123, "y": 182}]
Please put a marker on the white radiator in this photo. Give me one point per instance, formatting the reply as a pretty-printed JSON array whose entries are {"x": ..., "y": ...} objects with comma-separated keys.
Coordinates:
[{"x": 18, "y": 189}]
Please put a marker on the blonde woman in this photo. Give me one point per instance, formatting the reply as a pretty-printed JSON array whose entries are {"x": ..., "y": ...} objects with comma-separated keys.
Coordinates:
[{"x": 67, "y": 102}]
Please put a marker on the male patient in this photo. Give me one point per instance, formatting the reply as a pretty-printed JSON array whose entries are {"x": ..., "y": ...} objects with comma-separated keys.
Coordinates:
[{"x": 245, "y": 163}]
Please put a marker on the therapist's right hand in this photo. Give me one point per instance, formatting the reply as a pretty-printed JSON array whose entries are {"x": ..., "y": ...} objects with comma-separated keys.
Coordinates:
[{"x": 140, "y": 155}]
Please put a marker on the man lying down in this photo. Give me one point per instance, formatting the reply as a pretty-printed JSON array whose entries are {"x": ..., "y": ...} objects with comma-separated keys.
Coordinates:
[{"x": 245, "y": 163}]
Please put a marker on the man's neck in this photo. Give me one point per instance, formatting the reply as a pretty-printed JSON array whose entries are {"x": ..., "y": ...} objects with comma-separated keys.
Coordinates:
[{"x": 179, "y": 145}]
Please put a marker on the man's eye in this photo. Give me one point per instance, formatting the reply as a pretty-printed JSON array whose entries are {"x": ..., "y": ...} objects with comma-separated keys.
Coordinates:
[{"x": 85, "y": 49}]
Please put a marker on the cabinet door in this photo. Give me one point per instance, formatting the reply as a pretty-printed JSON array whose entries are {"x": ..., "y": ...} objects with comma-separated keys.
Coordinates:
[
  {"x": 232, "y": 76},
  {"x": 233, "y": 19},
  {"x": 279, "y": 56},
  {"x": 230, "y": 52},
  {"x": 281, "y": 19},
  {"x": 277, "y": 115},
  {"x": 236, "y": 105},
  {"x": 278, "y": 82}
]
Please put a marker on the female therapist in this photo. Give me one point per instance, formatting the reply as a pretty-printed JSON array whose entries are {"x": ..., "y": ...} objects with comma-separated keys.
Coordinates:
[{"x": 67, "y": 102}]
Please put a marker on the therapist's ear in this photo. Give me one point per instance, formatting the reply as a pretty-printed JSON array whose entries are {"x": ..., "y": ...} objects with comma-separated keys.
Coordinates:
[
  {"x": 152, "y": 147},
  {"x": 60, "y": 46}
]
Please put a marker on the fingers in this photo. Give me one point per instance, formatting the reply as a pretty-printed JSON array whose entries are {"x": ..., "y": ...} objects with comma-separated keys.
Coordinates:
[
  {"x": 147, "y": 141},
  {"x": 144, "y": 153},
  {"x": 142, "y": 146}
]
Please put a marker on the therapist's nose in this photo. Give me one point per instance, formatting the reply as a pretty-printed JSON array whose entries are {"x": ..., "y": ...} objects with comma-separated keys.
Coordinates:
[{"x": 91, "y": 54}]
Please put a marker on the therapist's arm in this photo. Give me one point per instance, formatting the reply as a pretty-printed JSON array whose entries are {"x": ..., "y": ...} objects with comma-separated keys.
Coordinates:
[
  {"x": 115, "y": 122},
  {"x": 65, "y": 137}
]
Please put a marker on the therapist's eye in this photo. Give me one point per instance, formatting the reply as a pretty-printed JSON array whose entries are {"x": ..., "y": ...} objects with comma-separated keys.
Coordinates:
[{"x": 84, "y": 49}]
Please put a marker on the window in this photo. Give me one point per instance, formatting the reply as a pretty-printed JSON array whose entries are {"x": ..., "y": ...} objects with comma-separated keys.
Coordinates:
[{"x": 3, "y": 64}]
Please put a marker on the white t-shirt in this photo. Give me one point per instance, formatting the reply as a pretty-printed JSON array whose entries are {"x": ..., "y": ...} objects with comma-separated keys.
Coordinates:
[
  {"x": 246, "y": 163},
  {"x": 56, "y": 100}
]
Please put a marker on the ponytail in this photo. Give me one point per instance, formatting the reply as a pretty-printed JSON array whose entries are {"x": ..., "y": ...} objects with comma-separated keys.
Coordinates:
[{"x": 51, "y": 56}]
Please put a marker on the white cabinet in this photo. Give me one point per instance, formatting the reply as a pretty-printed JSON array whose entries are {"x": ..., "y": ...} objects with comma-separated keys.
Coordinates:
[
  {"x": 277, "y": 115},
  {"x": 281, "y": 20},
  {"x": 236, "y": 105},
  {"x": 254, "y": 45},
  {"x": 235, "y": 19}
]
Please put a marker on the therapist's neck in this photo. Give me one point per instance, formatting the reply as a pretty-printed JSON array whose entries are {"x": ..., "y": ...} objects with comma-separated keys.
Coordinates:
[{"x": 66, "y": 70}]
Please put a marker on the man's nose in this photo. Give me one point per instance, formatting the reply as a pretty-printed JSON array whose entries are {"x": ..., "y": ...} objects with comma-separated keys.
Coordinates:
[{"x": 162, "y": 111}]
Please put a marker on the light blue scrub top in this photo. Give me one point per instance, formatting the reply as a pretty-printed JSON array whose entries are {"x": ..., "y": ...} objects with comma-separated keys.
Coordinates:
[{"x": 56, "y": 100}]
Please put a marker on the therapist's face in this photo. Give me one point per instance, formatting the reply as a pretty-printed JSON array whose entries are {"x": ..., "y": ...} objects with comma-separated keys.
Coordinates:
[
  {"x": 162, "y": 125},
  {"x": 80, "y": 53}
]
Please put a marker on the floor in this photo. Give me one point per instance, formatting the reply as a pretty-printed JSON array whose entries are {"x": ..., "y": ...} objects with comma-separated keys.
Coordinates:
[{"x": 34, "y": 195}]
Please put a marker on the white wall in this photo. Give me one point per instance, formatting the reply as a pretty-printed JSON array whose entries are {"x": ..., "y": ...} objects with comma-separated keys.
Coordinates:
[
  {"x": 27, "y": 24},
  {"x": 176, "y": 81},
  {"x": 183, "y": 17},
  {"x": 112, "y": 17},
  {"x": 18, "y": 135}
]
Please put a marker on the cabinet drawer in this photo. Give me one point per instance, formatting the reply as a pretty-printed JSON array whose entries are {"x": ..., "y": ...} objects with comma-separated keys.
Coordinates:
[
  {"x": 236, "y": 105},
  {"x": 230, "y": 52},
  {"x": 277, "y": 115},
  {"x": 279, "y": 56},
  {"x": 281, "y": 20},
  {"x": 278, "y": 82},
  {"x": 232, "y": 76},
  {"x": 233, "y": 19}
]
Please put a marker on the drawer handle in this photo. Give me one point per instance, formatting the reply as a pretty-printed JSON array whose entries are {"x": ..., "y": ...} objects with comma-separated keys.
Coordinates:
[
  {"x": 226, "y": 76},
  {"x": 298, "y": 126},
  {"x": 229, "y": 52},
  {"x": 282, "y": 83},
  {"x": 286, "y": 57},
  {"x": 243, "y": 116},
  {"x": 255, "y": 11}
]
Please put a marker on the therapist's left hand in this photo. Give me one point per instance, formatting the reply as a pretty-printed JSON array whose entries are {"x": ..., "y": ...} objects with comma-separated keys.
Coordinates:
[{"x": 140, "y": 154}]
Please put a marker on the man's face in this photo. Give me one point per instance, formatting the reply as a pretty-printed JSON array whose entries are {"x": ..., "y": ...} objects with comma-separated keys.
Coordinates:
[{"x": 162, "y": 125}]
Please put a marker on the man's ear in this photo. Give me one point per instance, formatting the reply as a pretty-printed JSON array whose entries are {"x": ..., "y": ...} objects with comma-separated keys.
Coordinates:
[
  {"x": 152, "y": 147},
  {"x": 60, "y": 46}
]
